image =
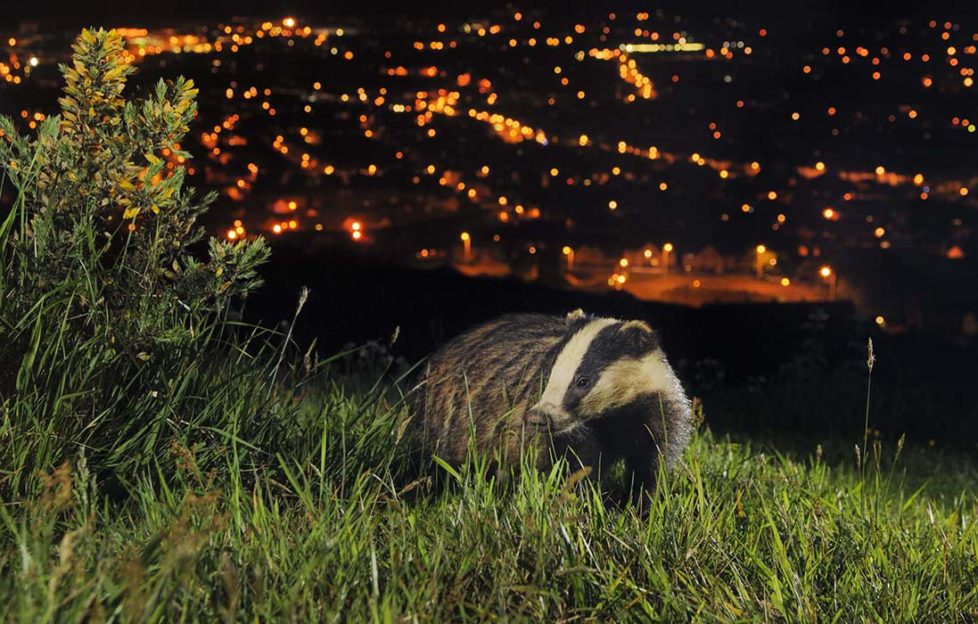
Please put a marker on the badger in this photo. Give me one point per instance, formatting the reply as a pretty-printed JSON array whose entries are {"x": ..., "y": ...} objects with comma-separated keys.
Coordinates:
[{"x": 594, "y": 390}]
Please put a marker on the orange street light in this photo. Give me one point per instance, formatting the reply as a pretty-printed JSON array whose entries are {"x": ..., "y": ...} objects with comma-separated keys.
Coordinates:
[
  {"x": 569, "y": 252},
  {"x": 666, "y": 250},
  {"x": 830, "y": 276},
  {"x": 759, "y": 260}
]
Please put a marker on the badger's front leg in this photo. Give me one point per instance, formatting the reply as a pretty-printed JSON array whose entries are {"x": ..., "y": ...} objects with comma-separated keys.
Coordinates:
[
  {"x": 641, "y": 470},
  {"x": 580, "y": 448},
  {"x": 637, "y": 441},
  {"x": 625, "y": 435}
]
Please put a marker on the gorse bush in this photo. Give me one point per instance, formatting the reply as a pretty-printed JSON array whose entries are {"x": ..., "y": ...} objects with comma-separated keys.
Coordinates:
[
  {"x": 103, "y": 305},
  {"x": 103, "y": 213}
]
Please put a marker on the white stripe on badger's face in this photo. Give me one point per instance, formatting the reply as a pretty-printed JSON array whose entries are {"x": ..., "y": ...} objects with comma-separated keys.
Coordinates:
[
  {"x": 627, "y": 379},
  {"x": 566, "y": 364}
]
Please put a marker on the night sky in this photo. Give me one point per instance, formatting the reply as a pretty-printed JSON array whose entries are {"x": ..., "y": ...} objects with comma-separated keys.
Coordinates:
[{"x": 796, "y": 14}]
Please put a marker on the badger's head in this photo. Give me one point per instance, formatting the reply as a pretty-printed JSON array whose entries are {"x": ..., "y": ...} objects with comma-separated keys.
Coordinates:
[{"x": 608, "y": 367}]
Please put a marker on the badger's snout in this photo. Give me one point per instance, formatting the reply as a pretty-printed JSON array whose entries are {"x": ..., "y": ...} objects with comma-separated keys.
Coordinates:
[{"x": 550, "y": 415}]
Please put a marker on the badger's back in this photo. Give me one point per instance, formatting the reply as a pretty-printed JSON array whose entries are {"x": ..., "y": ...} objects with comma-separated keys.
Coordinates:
[{"x": 482, "y": 382}]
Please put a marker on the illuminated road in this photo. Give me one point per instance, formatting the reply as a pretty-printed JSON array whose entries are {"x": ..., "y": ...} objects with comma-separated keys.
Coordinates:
[{"x": 697, "y": 289}]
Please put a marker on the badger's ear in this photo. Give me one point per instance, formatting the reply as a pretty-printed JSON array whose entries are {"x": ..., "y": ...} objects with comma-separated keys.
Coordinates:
[
  {"x": 640, "y": 333},
  {"x": 575, "y": 316}
]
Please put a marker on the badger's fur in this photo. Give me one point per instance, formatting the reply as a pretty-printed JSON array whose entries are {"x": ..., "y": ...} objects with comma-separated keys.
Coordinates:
[{"x": 595, "y": 389}]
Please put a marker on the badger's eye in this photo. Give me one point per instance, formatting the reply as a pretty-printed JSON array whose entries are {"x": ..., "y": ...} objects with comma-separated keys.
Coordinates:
[{"x": 582, "y": 382}]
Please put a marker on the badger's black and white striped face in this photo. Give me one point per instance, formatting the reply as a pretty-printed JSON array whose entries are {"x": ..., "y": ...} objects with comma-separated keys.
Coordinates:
[{"x": 605, "y": 365}]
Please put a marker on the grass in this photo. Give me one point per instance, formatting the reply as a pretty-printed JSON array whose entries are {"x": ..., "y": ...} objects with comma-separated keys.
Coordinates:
[{"x": 279, "y": 499}]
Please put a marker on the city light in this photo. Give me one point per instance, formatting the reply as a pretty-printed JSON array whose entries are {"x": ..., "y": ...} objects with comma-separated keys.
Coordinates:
[
  {"x": 760, "y": 250},
  {"x": 389, "y": 156},
  {"x": 654, "y": 48}
]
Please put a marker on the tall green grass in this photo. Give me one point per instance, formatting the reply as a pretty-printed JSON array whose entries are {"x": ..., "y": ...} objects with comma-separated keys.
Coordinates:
[{"x": 281, "y": 499}]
